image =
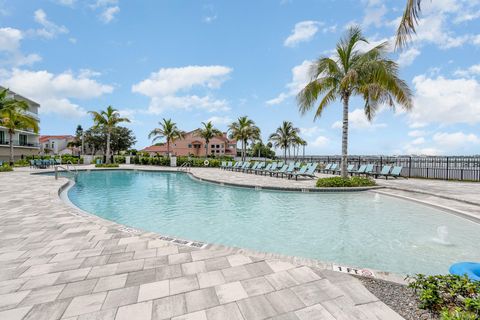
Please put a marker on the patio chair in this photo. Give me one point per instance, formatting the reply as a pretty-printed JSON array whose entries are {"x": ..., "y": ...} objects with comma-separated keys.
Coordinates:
[
  {"x": 289, "y": 170},
  {"x": 259, "y": 167},
  {"x": 255, "y": 165},
  {"x": 333, "y": 168},
  {"x": 327, "y": 167},
  {"x": 369, "y": 169},
  {"x": 309, "y": 173},
  {"x": 297, "y": 173},
  {"x": 281, "y": 170},
  {"x": 228, "y": 166},
  {"x": 395, "y": 173},
  {"x": 360, "y": 170},
  {"x": 58, "y": 161},
  {"x": 384, "y": 172},
  {"x": 272, "y": 168},
  {"x": 236, "y": 165},
  {"x": 223, "y": 164},
  {"x": 349, "y": 169},
  {"x": 246, "y": 167},
  {"x": 260, "y": 171}
]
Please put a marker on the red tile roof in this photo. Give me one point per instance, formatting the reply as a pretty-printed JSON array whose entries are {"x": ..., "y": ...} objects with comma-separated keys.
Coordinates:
[
  {"x": 155, "y": 149},
  {"x": 46, "y": 138}
]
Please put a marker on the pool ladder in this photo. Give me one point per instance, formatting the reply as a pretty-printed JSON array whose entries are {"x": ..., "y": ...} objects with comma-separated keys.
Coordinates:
[
  {"x": 185, "y": 167},
  {"x": 69, "y": 165}
]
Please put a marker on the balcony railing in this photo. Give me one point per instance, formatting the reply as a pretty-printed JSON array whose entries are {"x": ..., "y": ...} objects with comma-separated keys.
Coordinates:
[{"x": 17, "y": 143}]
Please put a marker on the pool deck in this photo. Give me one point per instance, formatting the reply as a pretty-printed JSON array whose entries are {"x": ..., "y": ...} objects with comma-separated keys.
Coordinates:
[{"x": 57, "y": 262}]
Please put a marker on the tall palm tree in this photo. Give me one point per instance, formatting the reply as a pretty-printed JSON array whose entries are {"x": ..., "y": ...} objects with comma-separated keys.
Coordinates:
[
  {"x": 168, "y": 130},
  {"x": 369, "y": 74},
  {"x": 107, "y": 120},
  {"x": 244, "y": 129},
  {"x": 297, "y": 143},
  {"x": 408, "y": 22},
  {"x": 208, "y": 132},
  {"x": 284, "y": 137},
  {"x": 7, "y": 102},
  {"x": 14, "y": 118}
]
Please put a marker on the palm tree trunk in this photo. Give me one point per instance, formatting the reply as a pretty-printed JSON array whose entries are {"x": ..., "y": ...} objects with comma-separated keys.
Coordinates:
[
  {"x": 345, "y": 137},
  {"x": 10, "y": 143},
  {"x": 108, "y": 147},
  {"x": 206, "y": 148},
  {"x": 168, "y": 149},
  {"x": 285, "y": 154}
]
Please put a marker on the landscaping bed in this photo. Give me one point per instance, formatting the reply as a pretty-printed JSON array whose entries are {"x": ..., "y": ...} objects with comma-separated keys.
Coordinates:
[{"x": 349, "y": 182}]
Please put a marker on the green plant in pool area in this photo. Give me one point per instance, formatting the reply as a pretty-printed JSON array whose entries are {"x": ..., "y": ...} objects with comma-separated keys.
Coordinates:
[
  {"x": 5, "y": 168},
  {"x": 107, "y": 165},
  {"x": 339, "y": 182},
  {"x": 22, "y": 163},
  {"x": 450, "y": 296}
]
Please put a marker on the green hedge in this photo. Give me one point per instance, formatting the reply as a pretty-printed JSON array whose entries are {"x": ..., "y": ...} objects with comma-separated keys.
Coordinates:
[
  {"x": 22, "y": 163},
  {"x": 5, "y": 168},
  {"x": 164, "y": 161},
  {"x": 339, "y": 182},
  {"x": 450, "y": 296},
  {"x": 107, "y": 165}
]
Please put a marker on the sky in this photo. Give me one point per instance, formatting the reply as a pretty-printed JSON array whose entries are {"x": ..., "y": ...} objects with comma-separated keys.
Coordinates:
[{"x": 195, "y": 61}]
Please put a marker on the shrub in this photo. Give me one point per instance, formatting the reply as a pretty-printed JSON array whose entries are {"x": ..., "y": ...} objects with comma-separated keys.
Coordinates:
[
  {"x": 22, "y": 163},
  {"x": 339, "y": 182},
  {"x": 107, "y": 165},
  {"x": 5, "y": 168},
  {"x": 450, "y": 296},
  {"x": 119, "y": 159}
]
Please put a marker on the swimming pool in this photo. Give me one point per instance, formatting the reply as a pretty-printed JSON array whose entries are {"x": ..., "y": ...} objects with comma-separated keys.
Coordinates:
[{"x": 362, "y": 229}]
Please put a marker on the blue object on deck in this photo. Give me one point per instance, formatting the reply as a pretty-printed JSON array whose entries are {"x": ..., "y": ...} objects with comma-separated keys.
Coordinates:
[{"x": 470, "y": 269}]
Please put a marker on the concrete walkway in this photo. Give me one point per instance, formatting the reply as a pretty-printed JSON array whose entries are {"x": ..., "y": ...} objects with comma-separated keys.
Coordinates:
[{"x": 59, "y": 263}]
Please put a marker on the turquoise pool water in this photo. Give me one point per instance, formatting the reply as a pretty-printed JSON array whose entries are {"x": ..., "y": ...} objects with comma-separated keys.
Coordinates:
[{"x": 362, "y": 229}]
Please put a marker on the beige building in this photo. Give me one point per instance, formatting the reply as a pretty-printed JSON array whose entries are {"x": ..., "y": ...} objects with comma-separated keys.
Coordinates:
[
  {"x": 25, "y": 142},
  {"x": 193, "y": 145},
  {"x": 57, "y": 145}
]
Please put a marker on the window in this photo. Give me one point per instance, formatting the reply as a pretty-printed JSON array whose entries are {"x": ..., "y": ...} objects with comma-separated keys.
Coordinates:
[
  {"x": 23, "y": 139},
  {"x": 213, "y": 146},
  {"x": 189, "y": 146},
  {"x": 2, "y": 137},
  {"x": 218, "y": 146}
]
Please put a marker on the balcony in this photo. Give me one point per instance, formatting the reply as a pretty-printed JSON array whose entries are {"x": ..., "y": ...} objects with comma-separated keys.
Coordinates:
[{"x": 21, "y": 144}]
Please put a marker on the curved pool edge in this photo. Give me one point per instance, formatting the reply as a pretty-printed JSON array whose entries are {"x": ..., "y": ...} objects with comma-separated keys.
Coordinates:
[{"x": 296, "y": 260}]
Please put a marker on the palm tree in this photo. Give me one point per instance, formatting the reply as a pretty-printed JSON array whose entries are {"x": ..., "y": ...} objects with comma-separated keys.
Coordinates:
[
  {"x": 297, "y": 143},
  {"x": 7, "y": 102},
  {"x": 14, "y": 118},
  {"x": 408, "y": 22},
  {"x": 284, "y": 137},
  {"x": 167, "y": 130},
  {"x": 368, "y": 74},
  {"x": 244, "y": 129},
  {"x": 107, "y": 120},
  {"x": 208, "y": 132}
]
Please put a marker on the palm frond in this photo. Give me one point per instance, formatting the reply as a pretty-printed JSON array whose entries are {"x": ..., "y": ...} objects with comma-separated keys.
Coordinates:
[{"x": 408, "y": 23}]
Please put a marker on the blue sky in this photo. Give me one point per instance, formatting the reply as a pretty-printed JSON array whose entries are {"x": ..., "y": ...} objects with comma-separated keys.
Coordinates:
[{"x": 195, "y": 61}]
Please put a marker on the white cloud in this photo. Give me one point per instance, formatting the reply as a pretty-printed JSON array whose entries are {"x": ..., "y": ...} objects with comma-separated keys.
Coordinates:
[
  {"x": 216, "y": 120},
  {"x": 417, "y": 133},
  {"x": 418, "y": 141},
  {"x": 320, "y": 141},
  {"x": 374, "y": 13},
  {"x": 471, "y": 71},
  {"x": 407, "y": 57},
  {"x": 50, "y": 30},
  {"x": 428, "y": 151},
  {"x": 302, "y": 32},
  {"x": 358, "y": 120},
  {"x": 476, "y": 40},
  {"x": 10, "y": 49},
  {"x": 103, "y": 3},
  {"x": 445, "y": 101},
  {"x": 456, "y": 140},
  {"x": 310, "y": 132},
  {"x": 164, "y": 87},
  {"x": 54, "y": 91},
  {"x": 300, "y": 78},
  {"x": 68, "y": 3},
  {"x": 109, "y": 13}
]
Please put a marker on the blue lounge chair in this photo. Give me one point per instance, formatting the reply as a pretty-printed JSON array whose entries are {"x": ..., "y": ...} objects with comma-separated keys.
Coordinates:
[
  {"x": 360, "y": 170},
  {"x": 281, "y": 171},
  {"x": 271, "y": 169},
  {"x": 228, "y": 166},
  {"x": 396, "y": 173},
  {"x": 289, "y": 170},
  {"x": 309, "y": 172},
  {"x": 223, "y": 164},
  {"x": 260, "y": 167},
  {"x": 261, "y": 171},
  {"x": 327, "y": 167},
  {"x": 349, "y": 169},
  {"x": 333, "y": 168},
  {"x": 297, "y": 173},
  {"x": 369, "y": 169},
  {"x": 237, "y": 165},
  {"x": 250, "y": 167},
  {"x": 384, "y": 172},
  {"x": 245, "y": 164}
]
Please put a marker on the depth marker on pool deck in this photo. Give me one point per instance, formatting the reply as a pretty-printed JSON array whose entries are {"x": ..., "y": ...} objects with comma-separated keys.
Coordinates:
[{"x": 354, "y": 271}]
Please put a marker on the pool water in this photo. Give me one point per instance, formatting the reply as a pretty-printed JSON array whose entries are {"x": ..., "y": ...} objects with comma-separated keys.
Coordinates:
[{"x": 363, "y": 229}]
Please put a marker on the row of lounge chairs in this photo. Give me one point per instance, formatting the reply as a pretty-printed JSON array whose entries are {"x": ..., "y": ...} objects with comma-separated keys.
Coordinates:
[
  {"x": 274, "y": 169},
  {"x": 42, "y": 164},
  {"x": 367, "y": 170}
]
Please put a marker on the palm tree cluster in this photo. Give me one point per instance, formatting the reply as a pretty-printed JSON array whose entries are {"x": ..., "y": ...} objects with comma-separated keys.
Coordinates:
[
  {"x": 168, "y": 130},
  {"x": 244, "y": 130},
  {"x": 107, "y": 121},
  {"x": 286, "y": 137},
  {"x": 13, "y": 116}
]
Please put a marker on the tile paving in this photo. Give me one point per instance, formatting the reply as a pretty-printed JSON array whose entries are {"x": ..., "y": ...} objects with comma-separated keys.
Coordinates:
[{"x": 58, "y": 263}]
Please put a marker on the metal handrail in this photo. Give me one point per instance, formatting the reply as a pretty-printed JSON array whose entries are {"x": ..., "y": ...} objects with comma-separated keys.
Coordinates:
[
  {"x": 67, "y": 168},
  {"x": 184, "y": 167}
]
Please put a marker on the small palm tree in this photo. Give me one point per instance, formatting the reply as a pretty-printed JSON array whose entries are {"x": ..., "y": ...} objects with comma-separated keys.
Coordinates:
[
  {"x": 408, "y": 22},
  {"x": 208, "y": 132},
  {"x": 107, "y": 120},
  {"x": 284, "y": 137},
  {"x": 370, "y": 75},
  {"x": 168, "y": 130},
  {"x": 244, "y": 129},
  {"x": 14, "y": 118}
]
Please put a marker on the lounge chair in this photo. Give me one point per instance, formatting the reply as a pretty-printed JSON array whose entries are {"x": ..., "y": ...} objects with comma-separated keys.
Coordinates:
[
  {"x": 309, "y": 172},
  {"x": 297, "y": 173},
  {"x": 228, "y": 166},
  {"x": 281, "y": 171},
  {"x": 255, "y": 165},
  {"x": 333, "y": 168},
  {"x": 369, "y": 169},
  {"x": 384, "y": 172},
  {"x": 289, "y": 170},
  {"x": 259, "y": 167},
  {"x": 360, "y": 170},
  {"x": 260, "y": 171},
  {"x": 272, "y": 168},
  {"x": 223, "y": 164},
  {"x": 327, "y": 167},
  {"x": 236, "y": 165},
  {"x": 396, "y": 173},
  {"x": 246, "y": 167},
  {"x": 349, "y": 169}
]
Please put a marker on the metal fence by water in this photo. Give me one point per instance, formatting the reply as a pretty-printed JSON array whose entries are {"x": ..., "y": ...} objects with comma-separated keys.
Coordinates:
[{"x": 465, "y": 168}]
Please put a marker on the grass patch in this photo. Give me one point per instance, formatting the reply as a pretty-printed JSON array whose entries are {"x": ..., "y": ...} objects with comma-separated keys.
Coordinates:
[
  {"x": 339, "y": 182},
  {"x": 107, "y": 165},
  {"x": 5, "y": 168}
]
